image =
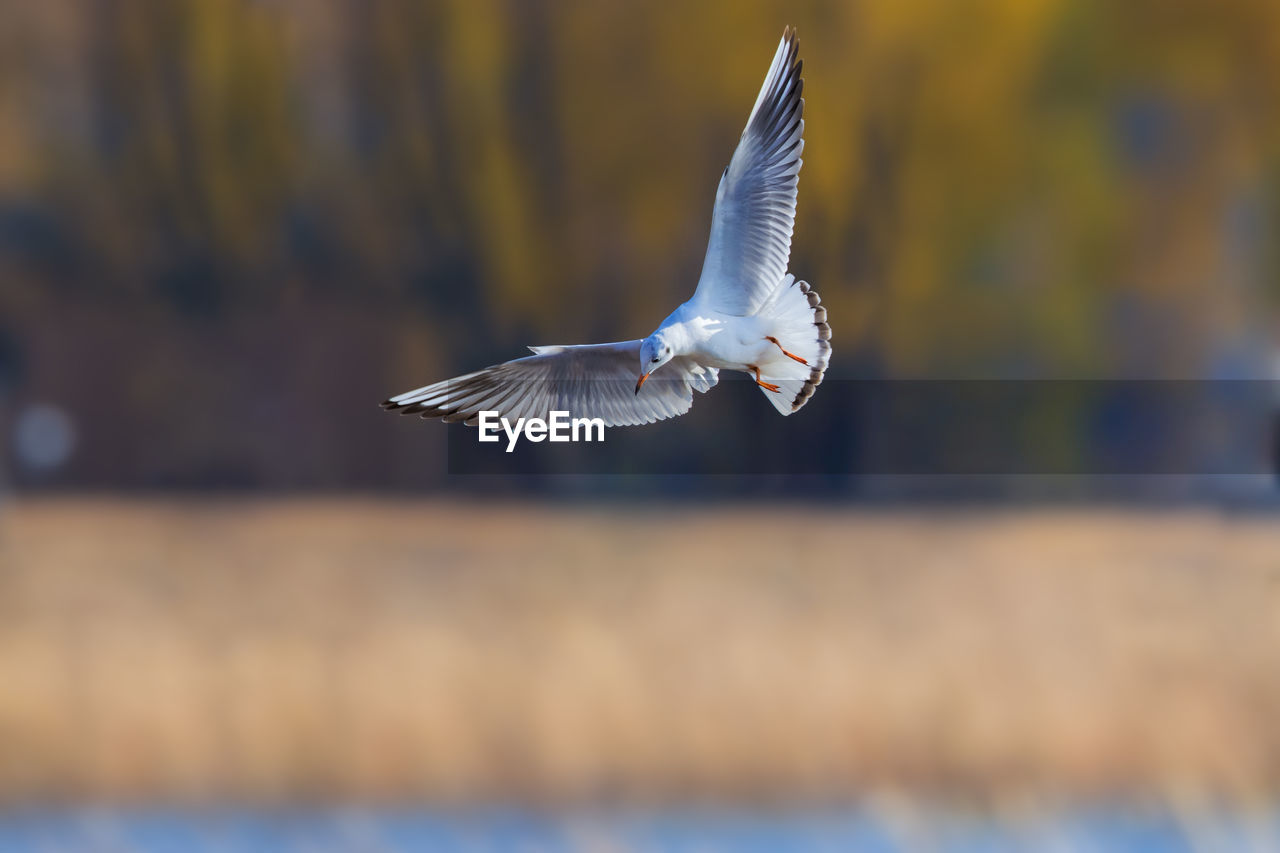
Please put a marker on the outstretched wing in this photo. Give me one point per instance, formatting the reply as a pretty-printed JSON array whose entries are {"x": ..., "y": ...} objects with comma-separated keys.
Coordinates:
[
  {"x": 591, "y": 381},
  {"x": 756, "y": 202}
]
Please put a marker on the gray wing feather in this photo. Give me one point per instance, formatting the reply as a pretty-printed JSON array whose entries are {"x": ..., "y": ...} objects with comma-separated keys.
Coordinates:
[
  {"x": 756, "y": 201},
  {"x": 591, "y": 381}
]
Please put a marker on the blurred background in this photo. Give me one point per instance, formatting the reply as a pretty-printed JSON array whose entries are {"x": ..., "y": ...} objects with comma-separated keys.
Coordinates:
[
  {"x": 236, "y": 596},
  {"x": 228, "y": 228}
]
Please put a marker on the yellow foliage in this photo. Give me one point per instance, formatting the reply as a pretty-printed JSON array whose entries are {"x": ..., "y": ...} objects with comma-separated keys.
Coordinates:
[{"x": 988, "y": 183}]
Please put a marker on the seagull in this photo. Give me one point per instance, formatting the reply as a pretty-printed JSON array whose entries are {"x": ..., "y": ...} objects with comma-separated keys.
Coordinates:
[{"x": 747, "y": 314}]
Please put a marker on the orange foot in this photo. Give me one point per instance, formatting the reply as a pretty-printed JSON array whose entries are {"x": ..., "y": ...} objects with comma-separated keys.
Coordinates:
[
  {"x": 774, "y": 388},
  {"x": 784, "y": 352}
]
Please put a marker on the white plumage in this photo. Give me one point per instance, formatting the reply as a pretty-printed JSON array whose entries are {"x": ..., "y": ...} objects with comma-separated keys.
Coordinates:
[{"x": 747, "y": 313}]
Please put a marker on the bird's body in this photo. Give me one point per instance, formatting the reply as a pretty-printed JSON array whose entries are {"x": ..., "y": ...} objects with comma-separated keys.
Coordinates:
[
  {"x": 748, "y": 313},
  {"x": 714, "y": 339}
]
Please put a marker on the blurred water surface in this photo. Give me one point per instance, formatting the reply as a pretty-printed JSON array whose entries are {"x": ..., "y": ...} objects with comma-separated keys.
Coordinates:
[{"x": 866, "y": 830}]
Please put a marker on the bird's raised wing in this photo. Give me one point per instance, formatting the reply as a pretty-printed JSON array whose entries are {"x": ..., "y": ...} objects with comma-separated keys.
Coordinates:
[
  {"x": 756, "y": 201},
  {"x": 591, "y": 381}
]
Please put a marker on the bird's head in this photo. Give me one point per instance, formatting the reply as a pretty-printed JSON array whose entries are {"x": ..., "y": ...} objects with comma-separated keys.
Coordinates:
[{"x": 654, "y": 352}]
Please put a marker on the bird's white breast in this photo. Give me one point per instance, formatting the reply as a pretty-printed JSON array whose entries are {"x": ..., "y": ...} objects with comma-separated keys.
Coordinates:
[{"x": 714, "y": 339}]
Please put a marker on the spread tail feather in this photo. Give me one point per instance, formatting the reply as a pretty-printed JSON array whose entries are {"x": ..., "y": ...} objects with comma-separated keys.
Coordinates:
[{"x": 799, "y": 322}]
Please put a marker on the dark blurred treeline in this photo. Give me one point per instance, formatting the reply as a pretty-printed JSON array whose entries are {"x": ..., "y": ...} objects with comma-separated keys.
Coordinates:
[{"x": 229, "y": 227}]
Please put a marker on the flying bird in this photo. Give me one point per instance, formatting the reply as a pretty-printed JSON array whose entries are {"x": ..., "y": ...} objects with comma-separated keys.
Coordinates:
[{"x": 747, "y": 314}]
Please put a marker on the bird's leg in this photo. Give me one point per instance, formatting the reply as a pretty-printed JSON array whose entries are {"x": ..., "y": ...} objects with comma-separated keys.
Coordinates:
[
  {"x": 784, "y": 352},
  {"x": 762, "y": 383}
]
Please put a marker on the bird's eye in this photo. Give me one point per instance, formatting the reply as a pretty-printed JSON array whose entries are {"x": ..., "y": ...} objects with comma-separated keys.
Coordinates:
[{"x": 655, "y": 358}]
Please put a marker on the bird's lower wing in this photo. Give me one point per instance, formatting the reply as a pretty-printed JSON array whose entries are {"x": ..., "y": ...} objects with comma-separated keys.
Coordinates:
[{"x": 590, "y": 381}]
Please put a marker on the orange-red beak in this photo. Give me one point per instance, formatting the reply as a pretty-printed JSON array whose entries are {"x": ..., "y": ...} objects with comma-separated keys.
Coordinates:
[{"x": 641, "y": 380}]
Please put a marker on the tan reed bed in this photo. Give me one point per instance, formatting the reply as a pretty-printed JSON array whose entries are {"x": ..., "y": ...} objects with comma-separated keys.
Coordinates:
[{"x": 450, "y": 652}]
